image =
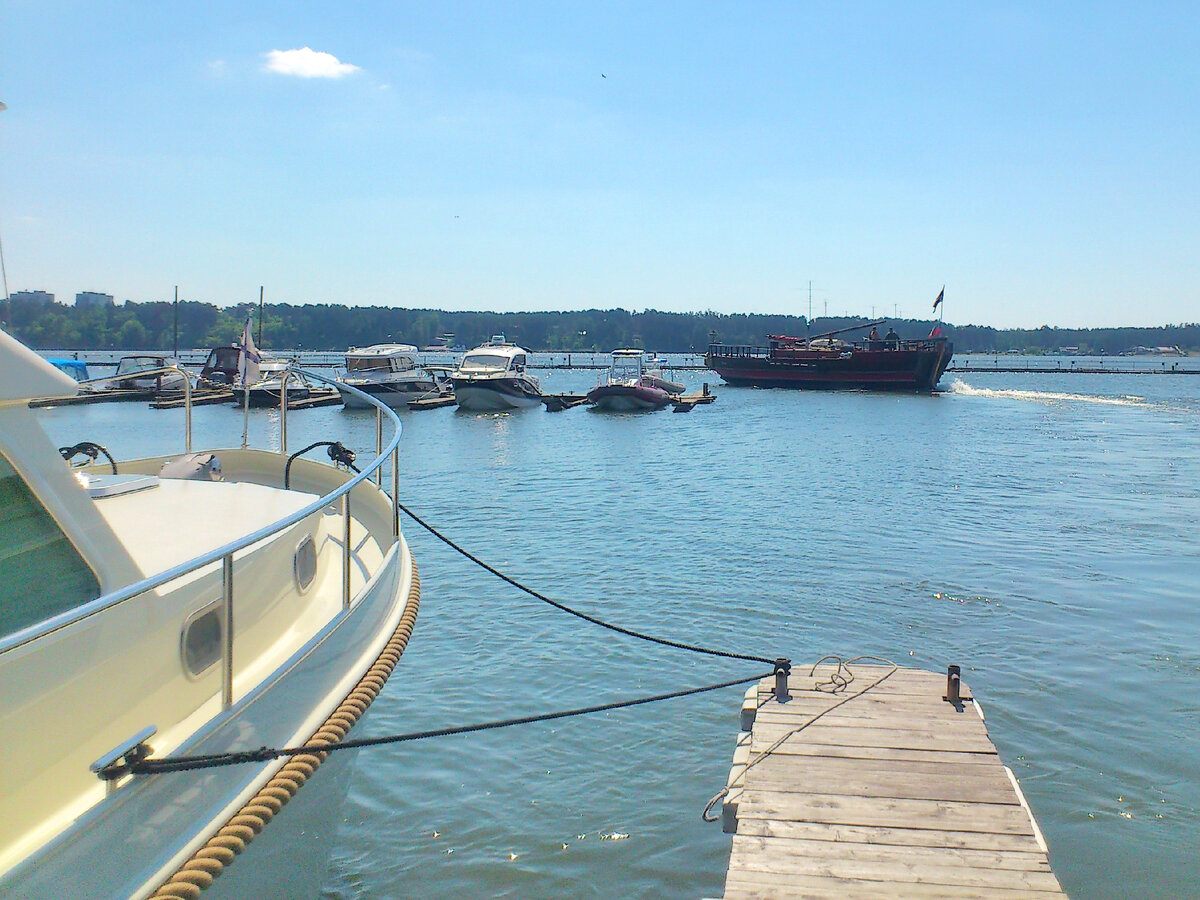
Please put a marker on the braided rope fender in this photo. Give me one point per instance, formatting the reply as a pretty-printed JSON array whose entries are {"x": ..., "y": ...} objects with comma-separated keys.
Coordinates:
[{"x": 207, "y": 863}]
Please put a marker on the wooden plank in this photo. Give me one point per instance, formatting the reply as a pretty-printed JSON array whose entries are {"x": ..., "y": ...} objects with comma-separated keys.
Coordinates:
[
  {"x": 840, "y": 766},
  {"x": 846, "y": 735},
  {"x": 954, "y": 788},
  {"x": 788, "y": 848},
  {"x": 895, "y": 871},
  {"x": 957, "y": 757},
  {"x": 904, "y": 837},
  {"x": 755, "y": 886},
  {"x": 998, "y": 818}
]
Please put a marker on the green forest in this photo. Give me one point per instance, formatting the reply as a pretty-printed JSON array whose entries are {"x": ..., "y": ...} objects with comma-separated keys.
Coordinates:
[{"x": 196, "y": 325}]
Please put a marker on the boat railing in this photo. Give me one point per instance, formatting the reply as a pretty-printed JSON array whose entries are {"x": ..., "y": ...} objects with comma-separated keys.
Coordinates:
[
  {"x": 737, "y": 351},
  {"x": 225, "y": 553}
]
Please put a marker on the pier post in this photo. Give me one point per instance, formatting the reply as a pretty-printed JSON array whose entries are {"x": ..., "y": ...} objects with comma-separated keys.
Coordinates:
[
  {"x": 783, "y": 668},
  {"x": 953, "y": 684}
]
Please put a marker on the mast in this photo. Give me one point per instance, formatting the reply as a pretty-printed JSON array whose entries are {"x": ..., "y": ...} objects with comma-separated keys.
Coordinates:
[
  {"x": 808, "y": 321},
  {"x": 176, "y": 327},
  {"x": 260, "y": 312}
]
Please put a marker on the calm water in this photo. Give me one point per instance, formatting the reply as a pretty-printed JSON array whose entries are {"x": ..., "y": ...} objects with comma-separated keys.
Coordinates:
[{"x": 1039, "y": 530}]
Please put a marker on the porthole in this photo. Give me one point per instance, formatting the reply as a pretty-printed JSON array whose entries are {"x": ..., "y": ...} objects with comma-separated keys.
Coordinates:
[
  {"x": 202, "y": 640},
  {"x": 305, "y": 563}
]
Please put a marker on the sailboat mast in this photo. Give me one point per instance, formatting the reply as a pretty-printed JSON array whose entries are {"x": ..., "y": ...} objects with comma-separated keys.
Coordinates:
[{"x": 260, "y": 312}]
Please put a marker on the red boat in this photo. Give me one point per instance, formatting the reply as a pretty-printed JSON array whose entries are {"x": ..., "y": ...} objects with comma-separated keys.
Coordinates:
[{"x": 889, "y": 364}]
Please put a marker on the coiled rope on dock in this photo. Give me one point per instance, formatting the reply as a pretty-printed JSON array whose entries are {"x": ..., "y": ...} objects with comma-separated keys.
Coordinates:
[
  {"x": 837, "y": 683},
  {"x": 220, "y": 851}
]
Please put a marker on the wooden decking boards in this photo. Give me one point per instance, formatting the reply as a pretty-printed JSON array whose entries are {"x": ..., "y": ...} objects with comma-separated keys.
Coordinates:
[{"x": 895, "y": 793}]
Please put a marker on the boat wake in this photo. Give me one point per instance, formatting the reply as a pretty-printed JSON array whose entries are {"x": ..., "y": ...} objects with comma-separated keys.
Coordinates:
[{"x": 1050, "y": 398}]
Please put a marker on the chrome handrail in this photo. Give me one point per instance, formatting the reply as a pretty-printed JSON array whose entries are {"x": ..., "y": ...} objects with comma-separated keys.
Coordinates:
[
  {"x": 115, "y": 598},
  {"x": 187, "y": 397}
]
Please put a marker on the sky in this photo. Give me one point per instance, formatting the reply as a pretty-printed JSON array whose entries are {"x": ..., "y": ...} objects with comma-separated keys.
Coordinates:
[{"x": 1040, "y": 160}]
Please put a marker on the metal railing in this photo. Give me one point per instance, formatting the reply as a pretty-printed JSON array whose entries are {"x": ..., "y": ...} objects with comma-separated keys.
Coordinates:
[{"x": 224, "y": 554}]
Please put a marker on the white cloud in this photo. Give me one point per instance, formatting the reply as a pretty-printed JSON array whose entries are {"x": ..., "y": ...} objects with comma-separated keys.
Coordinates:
[{"x": 307, "y": 63}]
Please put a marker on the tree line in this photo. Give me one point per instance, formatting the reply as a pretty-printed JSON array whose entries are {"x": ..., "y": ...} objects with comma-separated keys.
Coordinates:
[{"x": 197, "y": 325}]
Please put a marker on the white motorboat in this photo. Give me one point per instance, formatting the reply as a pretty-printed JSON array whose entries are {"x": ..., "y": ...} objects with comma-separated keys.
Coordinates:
[
  {"x": 389, "y": 373},
  {"x": 493, "y": 377},
  {"x": 192, "y": 604},
  {"x": 265, "y": 391},
  {"x": 126, "y": 377}
]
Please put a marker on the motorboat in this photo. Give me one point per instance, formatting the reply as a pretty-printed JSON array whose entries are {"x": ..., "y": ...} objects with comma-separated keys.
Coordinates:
[
  {"x": 222, "y": 366},
  {"x": 126, "y": 377},
  {"x": 194, "y": 603},
  {"x": 389, "y": 372},
  {"x": 76, "y": 368},
  {"x": 625, "y": 387},
  {"x": 266, "y": 391},
  {"x": 493, "y": 377}
]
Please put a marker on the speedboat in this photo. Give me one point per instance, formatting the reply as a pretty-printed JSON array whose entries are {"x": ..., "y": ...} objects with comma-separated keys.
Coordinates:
[
  {"x": 265, "y": 391},
  {"x": 388, "y": 372},
  {"x": 76, "y": 368},
  {"x": 196, "y": 603},
  {"x": 222, "y": 366},
  {"x": 625, "y": 387},
  {"x": 493, "y": 377},
  {"x": 126, "y": 377}
]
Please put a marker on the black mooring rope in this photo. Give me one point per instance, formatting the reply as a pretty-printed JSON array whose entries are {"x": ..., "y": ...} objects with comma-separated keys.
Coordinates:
[
  {"x": 263, "y": 754},
  {"x": 678, "y": 645}
]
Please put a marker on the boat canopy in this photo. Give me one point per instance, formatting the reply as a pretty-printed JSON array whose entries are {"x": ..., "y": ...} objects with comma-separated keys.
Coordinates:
[{"x": 381, "y": 357}]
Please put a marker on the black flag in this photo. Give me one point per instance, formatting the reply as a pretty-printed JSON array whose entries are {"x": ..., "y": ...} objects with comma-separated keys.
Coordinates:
[{"x": 941, "y": 297}]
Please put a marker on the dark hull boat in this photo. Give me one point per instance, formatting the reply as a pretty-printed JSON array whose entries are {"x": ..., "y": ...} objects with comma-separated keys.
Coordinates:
[
  {"x": 628, "y": 397},
  {"x": 825, "y": 363}
]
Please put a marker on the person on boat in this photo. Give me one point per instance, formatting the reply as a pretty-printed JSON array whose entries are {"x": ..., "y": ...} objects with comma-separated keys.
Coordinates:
[
  {"x": 873, "y": 339},
  {"x": 891, "y": 338}
]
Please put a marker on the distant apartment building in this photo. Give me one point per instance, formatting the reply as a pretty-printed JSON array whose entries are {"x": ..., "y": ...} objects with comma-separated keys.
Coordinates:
[
  {"x": 40, "y": 298},
  {"x": 86, "y": 299}
]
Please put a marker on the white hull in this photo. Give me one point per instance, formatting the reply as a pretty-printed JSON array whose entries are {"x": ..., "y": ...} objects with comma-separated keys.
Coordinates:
[
  {"x": 490, "y": 396},
  {"x": 94, "y": 857},
  {"x": 395, "y": 397}
]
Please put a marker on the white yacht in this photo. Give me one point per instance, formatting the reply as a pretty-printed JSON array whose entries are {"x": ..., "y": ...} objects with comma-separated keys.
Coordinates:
[
  {"x": 198, "y": 603},
  {"x": 493, "y": 377},
  {"x": 388, "y": 372},
  {"x": 126, "y": 377}
]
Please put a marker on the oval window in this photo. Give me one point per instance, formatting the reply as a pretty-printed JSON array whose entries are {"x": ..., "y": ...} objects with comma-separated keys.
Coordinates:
[
  {"x": 305, "y": 563},
  {"x": 202, "y": 640}
]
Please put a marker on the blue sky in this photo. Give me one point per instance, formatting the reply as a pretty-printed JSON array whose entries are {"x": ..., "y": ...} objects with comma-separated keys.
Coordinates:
[{"x": 1040, "y": 160}]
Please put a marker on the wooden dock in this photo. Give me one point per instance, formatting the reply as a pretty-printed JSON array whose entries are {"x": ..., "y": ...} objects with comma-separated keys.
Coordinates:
[
  {"x": 86, "y": 398},
  {"x": 199, "y": 398},
  {"x": 891, "y": 791},
  {"x": 435, "y": 402}
]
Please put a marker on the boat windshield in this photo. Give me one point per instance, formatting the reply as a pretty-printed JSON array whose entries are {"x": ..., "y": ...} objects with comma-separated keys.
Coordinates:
[
  {"x": 223, "y": 358},
  {"x": 484, "y": 361},
  {"x": 131, "y": 364},
  {"x": 41, "y": 572},
  {"x": 625, "y": 368},
  {"x": 378, "y": 363}
]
